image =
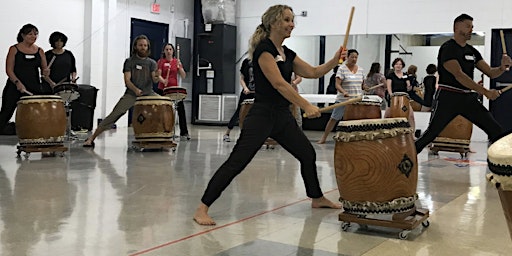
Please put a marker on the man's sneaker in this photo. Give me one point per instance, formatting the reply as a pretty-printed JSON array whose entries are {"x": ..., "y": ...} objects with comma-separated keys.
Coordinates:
[
  {"x": 226, "y": 138},
  {"x": 186, "y": 136}
]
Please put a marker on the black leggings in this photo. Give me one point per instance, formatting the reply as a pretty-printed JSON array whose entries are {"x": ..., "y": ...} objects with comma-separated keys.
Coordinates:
[
  {"x": 451, "y": 104},
  {"x": 265, "y": 121}
]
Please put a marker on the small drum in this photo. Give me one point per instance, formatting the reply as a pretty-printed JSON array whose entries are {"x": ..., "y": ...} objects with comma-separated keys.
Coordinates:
[
  {"x": 175, "y": 93},
  {"x": 153, "y": 118},
  {"x": 456, "y": 134},
  {"x": 400, "y": 105},
  {"x": 376, "y": 166},
  {"x": 41, "y": 120},
  {"x": 499, "y": 159},
  {"x": 367, "y": 108},
  {"x": 246, "y": 105},
  {"x": 68, "y": 92}
]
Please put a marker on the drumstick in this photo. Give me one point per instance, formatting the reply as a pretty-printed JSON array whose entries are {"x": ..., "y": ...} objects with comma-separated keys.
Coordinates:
[
  {"x": 51, "y": 61},
  {"x": 505, "y": 89},
  {"x": 349, "y": 24},
  {"x": 331, "y": 107},
  {"x": 503, "y": 45},
  {"x": 61, "y": 81},
  {"x": 27, "y": 92},
  {"x": 374, "y": 87}
]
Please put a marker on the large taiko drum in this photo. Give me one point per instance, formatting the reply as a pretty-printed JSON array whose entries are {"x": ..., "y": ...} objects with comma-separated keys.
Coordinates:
[
  {"x": 153, "y": 118},
  {"x": 456, "y": 134},
  {"x": 175, "y": 93},
  {"x": 376, "y": 166},
  {"x": 367, "y": 108},
  {"x": 246, "y": 105},
  {"x": 41, "y": 120},
  {"x": 499, "y": 159},
  {"x": 400, "y": 105}
]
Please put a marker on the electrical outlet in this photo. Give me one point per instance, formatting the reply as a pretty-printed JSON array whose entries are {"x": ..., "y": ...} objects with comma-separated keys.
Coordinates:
[{"x": 304, "y": 13}]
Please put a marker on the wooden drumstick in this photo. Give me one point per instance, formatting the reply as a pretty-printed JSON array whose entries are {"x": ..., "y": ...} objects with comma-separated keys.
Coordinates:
[
  {"x": 374, "y": 87},
  {"x": 505, "y": 89},
  {"x": 331, "y": 107},
  {"x": 503, "y": 45},
  {"x": 347, "y": 33},
  {"x": 51, "y": 61},
  {"x": 27, "y": 92}
]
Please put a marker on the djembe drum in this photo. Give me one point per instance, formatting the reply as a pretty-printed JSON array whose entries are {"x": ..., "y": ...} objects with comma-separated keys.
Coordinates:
[
  {"x": 376, "y": 166},
  {"x": 400, "y": 105},
  {"x": 367, "y": 108},
  {"x": 153, "y": 118},
  {"x": 40, "y": 120},
  {"x": 499, "y": 159}
]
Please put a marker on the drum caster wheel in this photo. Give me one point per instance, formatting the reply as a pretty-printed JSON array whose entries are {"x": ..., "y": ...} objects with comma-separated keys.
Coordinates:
[
  {"x": 18, "y": 154},
  {"x": 425, "y": 224},
  {"x": 345, "y": 226},
  {"x": 27, "y": 155},
  {"x": 174, "y": 149},
  {"x": 61, "y": 154},
  {"x": 404, "y": 234}
]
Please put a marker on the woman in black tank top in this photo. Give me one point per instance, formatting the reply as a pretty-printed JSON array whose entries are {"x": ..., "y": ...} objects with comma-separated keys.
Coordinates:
[{"x": 24, "y": 61}]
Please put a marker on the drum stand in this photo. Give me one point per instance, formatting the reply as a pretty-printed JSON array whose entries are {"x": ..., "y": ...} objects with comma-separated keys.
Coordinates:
[{"x": 70, "y": 135}]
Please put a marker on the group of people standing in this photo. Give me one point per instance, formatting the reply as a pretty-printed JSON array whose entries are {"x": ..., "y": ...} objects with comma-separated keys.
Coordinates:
[{"x": 27, "y": 63}]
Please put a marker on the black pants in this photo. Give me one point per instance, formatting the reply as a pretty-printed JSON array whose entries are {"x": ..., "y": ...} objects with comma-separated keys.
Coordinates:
[
  {"x": 451, "y": 104},
  {"x": 416, "y": 97},
  {"x": 236, "y": 115},
  {"x": 265, "y": 121}
]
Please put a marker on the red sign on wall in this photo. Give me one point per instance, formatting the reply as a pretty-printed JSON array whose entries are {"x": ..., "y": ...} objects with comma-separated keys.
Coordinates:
[{"x": 155, "y": 8}]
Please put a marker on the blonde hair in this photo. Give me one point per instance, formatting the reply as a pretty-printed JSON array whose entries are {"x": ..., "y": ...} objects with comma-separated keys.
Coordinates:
[{"x": 271, "y": 16}]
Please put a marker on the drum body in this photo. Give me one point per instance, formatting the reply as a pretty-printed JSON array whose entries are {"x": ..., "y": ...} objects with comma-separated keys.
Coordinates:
[
  {"x": 244, "y": 110},
  {"x": 68, "y": 92},
  {"x": 153, "y": 118},
  {"x": 499, "y": 159},
  {"x": 41, "y": 120},
  {"x": 400, "y": 105},
  {"x": 175, "y": 93},
  {"x": 367, "y": 108},
  {"x": 376, "y": 166},
  {"x": 415, "y": 105},
  {"x": 458, "y": 131}
]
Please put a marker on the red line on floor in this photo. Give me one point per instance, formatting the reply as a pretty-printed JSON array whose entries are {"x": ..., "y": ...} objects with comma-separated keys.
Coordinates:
[{"x": 219, "y": 227}]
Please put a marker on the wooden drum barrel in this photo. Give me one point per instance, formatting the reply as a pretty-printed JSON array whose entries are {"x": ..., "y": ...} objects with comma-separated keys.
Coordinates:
[
  {"x": 376, "y": 166},
  {"x": 456, "y": 133},
  {"x": 499, "y": 159},
  {"x": 400, "y": 105},
  {"x": 244, "y": 110},
  {"x": 41, "y": 120},
  {"x": 367, "y": 108},
  {"x": 153, "y": 118}
]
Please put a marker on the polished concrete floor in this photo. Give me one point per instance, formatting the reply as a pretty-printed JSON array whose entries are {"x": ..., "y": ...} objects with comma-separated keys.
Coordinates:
[{"x": 112, "y": 200}]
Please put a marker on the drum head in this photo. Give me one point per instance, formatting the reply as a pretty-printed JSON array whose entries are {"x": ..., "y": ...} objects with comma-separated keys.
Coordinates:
[{"x": 67, "y": 91}]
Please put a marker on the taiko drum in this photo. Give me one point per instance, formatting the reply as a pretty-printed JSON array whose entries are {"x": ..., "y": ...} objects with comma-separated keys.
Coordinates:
[{"x": 153, "y": 118}]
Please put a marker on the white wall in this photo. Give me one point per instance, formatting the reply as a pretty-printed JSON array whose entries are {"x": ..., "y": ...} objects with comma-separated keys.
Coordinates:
[{"x": 99, "y": 36}]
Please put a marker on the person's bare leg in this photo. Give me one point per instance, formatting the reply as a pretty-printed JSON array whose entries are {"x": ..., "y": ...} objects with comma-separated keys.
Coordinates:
[
  {"x": 201, "y": 216},
  {"x": 328, "y": 129},
  {"x": 323, "y": 202},
  {"x": 90, "y": 140}
]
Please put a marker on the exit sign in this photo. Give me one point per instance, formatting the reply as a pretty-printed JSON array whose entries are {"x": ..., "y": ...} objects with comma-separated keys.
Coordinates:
[{"x": 155, "y": 8}]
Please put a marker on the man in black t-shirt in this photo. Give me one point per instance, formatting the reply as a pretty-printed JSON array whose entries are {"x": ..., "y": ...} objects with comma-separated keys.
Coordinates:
[{"x": 456, "y": 92}]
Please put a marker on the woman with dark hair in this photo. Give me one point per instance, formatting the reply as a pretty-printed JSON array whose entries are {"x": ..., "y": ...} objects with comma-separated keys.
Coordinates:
[
  {"x": 140, "y": 72},
  {"x": 270, "y": 115},
  {"x": 430, "y": 84},
  {"x": 374, "y": 78},
  {"x": 61, "y": 62},
  {"x": 24, "y": 65},
  {"x": 168, "y": 69},
  {"x": 397, "y": 81}
]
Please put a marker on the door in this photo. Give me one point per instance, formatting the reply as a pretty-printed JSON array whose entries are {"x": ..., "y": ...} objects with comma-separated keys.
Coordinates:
[{"x": 158, "y": 34}]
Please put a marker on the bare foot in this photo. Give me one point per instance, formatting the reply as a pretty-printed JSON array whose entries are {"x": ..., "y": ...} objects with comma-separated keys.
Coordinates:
[
  {"x": 321, "y": 141},
  {"x": 323, "y": 202},
  {"x": 201, "y": 216}
]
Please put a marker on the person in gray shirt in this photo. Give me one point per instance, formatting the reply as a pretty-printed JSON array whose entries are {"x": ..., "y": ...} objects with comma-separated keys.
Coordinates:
[{"x": 140, "y": 72}]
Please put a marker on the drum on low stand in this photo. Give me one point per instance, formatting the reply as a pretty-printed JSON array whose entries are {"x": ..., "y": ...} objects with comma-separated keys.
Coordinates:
[
  {"x": 246, "y": 105},
  {"x": 455, "y": 137},
  {"x": 153, "y": 122},
  {"x": 377, "y": 173},
  {"x": 499, "y": 159},
  {"x": 415, "y": 105},
  {"x": 367, "y": 108},
  {"x": 400, "y": 105},
  {"x": 175, "y": 93},
  {"x": 40, "y": 124}
]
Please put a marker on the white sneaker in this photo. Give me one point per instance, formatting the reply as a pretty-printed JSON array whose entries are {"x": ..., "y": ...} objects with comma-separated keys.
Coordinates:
[{"x": 226, "y": 138}]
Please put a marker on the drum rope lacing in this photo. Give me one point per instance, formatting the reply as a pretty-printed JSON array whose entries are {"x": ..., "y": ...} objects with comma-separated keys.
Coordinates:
[{"x": 401, "y": 204}]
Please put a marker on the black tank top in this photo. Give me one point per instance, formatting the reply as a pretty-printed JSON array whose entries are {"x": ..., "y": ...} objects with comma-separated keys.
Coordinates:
[{"x": 26, "y": 68}]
